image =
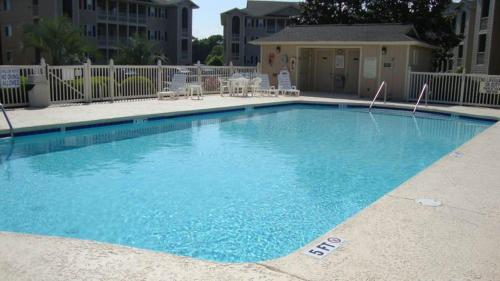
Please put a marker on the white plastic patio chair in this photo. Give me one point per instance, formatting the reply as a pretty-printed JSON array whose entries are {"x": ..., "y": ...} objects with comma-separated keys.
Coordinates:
[
  {"x": 285, "y": 85},
  {"x": 176, "y": 87},
  {"x": 224, "y": 86},
  {"x": 254, "y": 86},
  {"x": 265, "y": 86}
]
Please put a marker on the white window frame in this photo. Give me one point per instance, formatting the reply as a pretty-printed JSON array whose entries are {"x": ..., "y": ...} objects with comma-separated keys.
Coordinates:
[{"x": 7, "y": 29}]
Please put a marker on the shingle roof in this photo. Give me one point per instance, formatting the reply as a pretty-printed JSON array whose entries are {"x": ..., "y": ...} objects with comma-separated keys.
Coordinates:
[
  {"x": 264, "y": 8},
  {"x": 344, "y": 33},
  {"x": 174, "y": 2}
]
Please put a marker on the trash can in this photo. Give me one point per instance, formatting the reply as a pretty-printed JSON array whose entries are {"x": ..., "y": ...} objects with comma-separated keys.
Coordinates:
[{"x": 38, "y": 91}]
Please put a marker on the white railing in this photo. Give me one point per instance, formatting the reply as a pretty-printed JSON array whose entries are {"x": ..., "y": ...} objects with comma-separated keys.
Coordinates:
[
  {"x": 455, "y": 88},
  {"x": 382, "y": 86},
  {"x": 425, "y": 89},
  {"x": 93, "y": 83},
  {"x": 11, "y": 129}
]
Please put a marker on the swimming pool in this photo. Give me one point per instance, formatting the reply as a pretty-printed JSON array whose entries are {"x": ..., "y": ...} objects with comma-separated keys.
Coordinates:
[{"x": 238, "y": 186}]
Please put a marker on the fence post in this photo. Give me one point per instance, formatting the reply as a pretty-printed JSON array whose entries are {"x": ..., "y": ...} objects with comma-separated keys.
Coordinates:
[
  {"x": 159, "y": 77},
  {"x": 198, "y": 72},
  {"x": 43, "y": 66},
  {"x": 87, "y": 81},
  {"x": 112, "y": 79},
  {"x": 462, "y": 88},
  {"x": 231, "y": 68}
]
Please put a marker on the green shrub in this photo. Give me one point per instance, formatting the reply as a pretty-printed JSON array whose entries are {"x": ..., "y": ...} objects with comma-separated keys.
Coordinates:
[{"x": 145, "y": 85}]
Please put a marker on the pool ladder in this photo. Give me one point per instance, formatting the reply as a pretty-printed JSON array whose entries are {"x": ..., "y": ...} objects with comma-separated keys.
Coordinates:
[
  {"x": 382, "y": 86},
  {"x": 425, "y": 89},
  {"x": 8, "y": 120}
]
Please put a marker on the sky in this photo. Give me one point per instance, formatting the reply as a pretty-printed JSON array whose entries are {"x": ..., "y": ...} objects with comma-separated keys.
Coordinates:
[{"x": 206, "y": 19}]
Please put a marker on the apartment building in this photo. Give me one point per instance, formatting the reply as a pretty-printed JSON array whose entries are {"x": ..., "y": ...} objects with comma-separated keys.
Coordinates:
[
  {"x": 259, "y": 19},
  {"x": 478, "y": 21},
  {"x": 107, "y": 23}
]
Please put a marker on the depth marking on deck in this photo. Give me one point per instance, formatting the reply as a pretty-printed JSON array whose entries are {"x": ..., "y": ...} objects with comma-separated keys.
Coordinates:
[{"x": 324, "y": 248}]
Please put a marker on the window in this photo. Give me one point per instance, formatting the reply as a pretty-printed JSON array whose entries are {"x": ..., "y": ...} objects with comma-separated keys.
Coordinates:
[
  {"x": 460, "y": 51},
  {"x": 462, "y": 22},
  {"x": 8, "y": 57},
  {"x": 482, "y": 43},
  {"x": 485, "y": 9},
  {"x": 185, "y": 18},
  {"x": 260, "y": 23},
  {"x": 235, "y": 49},
  {"x": 236, "y": 26},
  {"x": 184, "y": 45},
  {"x": 151, "y": 11},
  {"x": 166, "y": 36},
  {"x": 89, "y": 4},
  {"x": 8, "y": 30},
  {"x": 7, "y": 5}
]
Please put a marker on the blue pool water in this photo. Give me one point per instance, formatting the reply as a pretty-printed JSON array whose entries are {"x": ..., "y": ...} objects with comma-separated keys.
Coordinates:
[{"x": 235, "y": 186}]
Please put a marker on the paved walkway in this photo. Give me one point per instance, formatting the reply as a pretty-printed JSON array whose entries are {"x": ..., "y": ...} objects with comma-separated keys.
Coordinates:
[{"x": 393, "y": 239}]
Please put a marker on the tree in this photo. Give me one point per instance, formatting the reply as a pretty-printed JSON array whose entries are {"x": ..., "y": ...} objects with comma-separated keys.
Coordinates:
[
  {"x": 428, "y": 17},
  {"x": 59, "y": 40},
  {"x": 203, "y": 47},
  {"x": 331, "y": 12},
  {"x": 138, "y": 51},
  {"x": 216, "y": 57}
]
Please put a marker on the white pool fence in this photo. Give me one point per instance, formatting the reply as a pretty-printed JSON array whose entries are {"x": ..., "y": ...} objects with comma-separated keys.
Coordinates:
[{"x": 95, "y": 83}]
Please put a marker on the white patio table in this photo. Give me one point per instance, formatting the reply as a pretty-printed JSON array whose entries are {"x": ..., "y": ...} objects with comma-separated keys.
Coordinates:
[{"x": 238, "y": 86}]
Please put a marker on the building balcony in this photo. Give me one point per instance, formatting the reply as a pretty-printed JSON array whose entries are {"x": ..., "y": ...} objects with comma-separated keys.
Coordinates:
[
  {"x": 235, "y": 38},
  {"x": 185, "y": 33},
  {"x": 481, "y": 58},
  {"x": 102, "y": 14},
  {"x": 184, "y": 55},
  {"x": 483, "y": 23},
  {"x": 235, "y": 57},
  {"x": 459, "y": 62},
  {"x": 122, "y": 17},
  {"x": 141, "y": 19}
]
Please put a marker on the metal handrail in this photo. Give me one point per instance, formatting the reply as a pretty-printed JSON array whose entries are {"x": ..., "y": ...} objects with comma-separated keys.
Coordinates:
[
  {"x": 8, "y": 120},
  {"x": 424, "y": 90},
  {"x": 378, "y": 93}
]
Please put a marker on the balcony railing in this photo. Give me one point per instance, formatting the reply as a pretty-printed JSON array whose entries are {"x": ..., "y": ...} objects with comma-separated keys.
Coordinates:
[
  {"x": 480, "y": 58},
  {"x": 459, "y": 61},
  {"x": 185, "y": 32},
  {"x": 235, "y": 37},
  {"x": 483, "y": 24},
  {"x": 142, "y": 19},
  {"x": 184, "y": 55}
]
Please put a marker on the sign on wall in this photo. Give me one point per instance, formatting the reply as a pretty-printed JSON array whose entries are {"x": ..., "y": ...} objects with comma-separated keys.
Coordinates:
[
  {"x": 10, "y": 78},
  {"x": 370, "y": 68},
  {"x": 490, "y": 86},
  {"x": 339, "y": 61}
]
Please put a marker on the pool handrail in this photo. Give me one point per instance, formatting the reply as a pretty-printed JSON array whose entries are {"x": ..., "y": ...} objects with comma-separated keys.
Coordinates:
[
  {"x": 425, "y": 89},
  {"x": 378, "y": 93},
  {"x": 7, "y": 119}
]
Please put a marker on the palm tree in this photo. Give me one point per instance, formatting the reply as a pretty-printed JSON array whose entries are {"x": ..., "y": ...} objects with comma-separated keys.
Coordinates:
[
  {"x": 138, "y": 51},
  {"x": 58, "y": 39}
]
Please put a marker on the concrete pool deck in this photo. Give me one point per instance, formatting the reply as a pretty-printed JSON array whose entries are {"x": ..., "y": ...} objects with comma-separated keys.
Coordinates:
[{"x": 392, "y": 239}]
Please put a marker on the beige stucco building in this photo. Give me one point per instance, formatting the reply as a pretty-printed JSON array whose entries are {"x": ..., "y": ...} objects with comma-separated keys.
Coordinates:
[{"x": 346, "y": 59}]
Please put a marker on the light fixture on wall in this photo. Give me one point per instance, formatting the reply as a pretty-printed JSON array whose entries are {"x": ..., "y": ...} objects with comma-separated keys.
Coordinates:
[{"x": 384, "y": 50}]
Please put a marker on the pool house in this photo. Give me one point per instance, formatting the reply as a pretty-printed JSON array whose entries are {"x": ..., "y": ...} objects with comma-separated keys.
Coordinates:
[{"x": 347, "y": 59}]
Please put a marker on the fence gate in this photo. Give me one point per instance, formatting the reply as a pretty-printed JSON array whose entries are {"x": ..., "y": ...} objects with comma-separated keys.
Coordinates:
[{"x": 68, "y": 84}]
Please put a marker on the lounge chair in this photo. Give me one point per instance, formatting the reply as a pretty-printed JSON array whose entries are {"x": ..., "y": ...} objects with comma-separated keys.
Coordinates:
[
  {"x": 265, "y": 86},
  {"x": 285, "y": 86},
  {"x": 176, "y": 87}
]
